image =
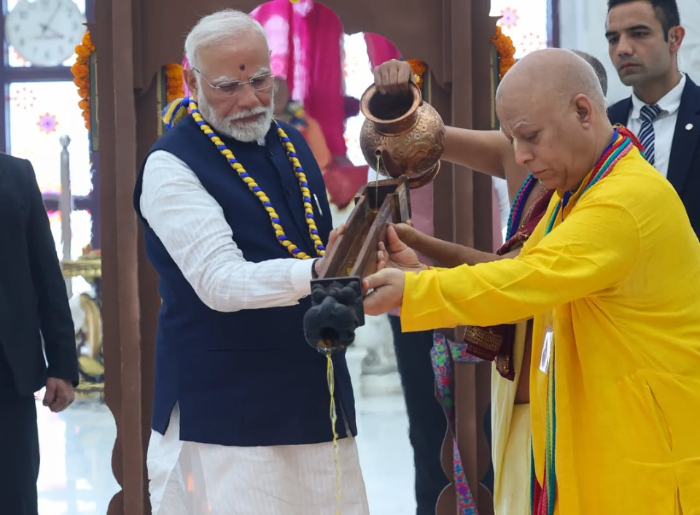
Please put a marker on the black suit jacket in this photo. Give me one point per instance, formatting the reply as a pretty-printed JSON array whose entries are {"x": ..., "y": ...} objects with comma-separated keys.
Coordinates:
[
  {"x": 33, "y": 297},
  {"x": 684, "y": 165}
]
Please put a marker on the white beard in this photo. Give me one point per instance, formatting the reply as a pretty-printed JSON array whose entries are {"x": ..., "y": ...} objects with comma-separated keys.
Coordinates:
[{"x": 230, "y": 126}]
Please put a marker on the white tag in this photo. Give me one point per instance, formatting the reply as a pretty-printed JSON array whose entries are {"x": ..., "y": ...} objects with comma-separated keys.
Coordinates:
[{"x": 546, "y": 350}]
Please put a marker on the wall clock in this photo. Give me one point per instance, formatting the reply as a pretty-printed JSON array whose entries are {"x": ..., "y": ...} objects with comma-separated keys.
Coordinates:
[{"x": 45, "y": 32}]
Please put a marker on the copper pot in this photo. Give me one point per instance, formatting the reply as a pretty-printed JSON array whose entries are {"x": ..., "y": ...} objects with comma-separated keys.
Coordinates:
[{"x": 407, "y": 133}]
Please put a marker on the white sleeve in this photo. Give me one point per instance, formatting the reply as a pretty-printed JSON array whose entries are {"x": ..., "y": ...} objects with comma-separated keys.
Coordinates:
[{"x": 191, "y": 225}]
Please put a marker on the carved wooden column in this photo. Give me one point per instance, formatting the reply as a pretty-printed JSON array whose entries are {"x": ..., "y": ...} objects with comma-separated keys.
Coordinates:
[
  {"x": 113, "y": 34},
  {"x": 463, "y": 215}
]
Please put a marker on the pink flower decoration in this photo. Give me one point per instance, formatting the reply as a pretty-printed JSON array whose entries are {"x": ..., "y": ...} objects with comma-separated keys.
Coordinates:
[
  {"x": 47, "y": 123},
  {"x": 531, "y": 42},
  {"x": 24, "y": 98},
  {"x": 509, "y": 17}
]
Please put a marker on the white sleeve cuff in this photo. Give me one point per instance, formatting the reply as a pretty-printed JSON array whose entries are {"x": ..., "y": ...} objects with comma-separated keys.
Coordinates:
[{"x": 301, "y": 276}]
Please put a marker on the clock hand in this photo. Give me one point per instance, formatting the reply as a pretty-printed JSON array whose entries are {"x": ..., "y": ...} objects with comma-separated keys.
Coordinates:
[
  {"x": 51, "y": 18},
  {"x": 45, "y": 29}
]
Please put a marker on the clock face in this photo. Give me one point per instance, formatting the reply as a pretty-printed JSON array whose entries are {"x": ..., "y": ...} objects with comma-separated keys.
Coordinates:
[{"x": 45, "y": 32}]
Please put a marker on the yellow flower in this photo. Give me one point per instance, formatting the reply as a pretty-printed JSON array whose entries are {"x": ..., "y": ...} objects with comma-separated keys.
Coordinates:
[
  {"x": 83, "y": 51},
  {"x": 175, "y": 87},
  {"x": 87, "y": 41},
  {"x": 418, "y": 68},
  {"x": 80, "y": 70},
  {"x": 506, "y": 51},
  {"x": 81, "y": 74}
]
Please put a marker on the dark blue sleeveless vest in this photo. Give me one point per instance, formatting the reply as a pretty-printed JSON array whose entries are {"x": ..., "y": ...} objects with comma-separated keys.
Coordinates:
[{"x": 246, "y": 378}]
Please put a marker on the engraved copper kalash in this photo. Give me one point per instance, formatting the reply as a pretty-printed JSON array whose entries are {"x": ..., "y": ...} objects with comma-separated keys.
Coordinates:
[
  {"x": 406, "y": 132},
  {"x": 403, "y": 137}
]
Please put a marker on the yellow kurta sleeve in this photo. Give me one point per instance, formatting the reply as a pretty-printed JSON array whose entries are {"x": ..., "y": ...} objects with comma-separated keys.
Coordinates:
[{"x": 596, "y": 247}]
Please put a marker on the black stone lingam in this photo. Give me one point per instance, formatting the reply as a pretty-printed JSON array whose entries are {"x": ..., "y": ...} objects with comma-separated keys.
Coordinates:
[
  {"x": 336, "y": 296},
  {"x": 329, "y": 326}
]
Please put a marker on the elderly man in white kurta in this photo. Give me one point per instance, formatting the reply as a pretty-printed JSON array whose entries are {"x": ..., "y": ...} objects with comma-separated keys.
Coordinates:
[{"x": 235, "y": 218}]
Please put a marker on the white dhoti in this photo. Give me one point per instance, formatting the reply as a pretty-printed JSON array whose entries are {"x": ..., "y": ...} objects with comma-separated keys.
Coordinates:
[
  {"x": 511, "y": 438},
  {"x": 188, "y": 478}
]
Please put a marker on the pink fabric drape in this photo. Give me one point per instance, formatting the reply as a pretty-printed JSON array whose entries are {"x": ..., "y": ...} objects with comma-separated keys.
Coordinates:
[
  {"x": 380, "y": 49},
  {"x": 306, "y": 43}
]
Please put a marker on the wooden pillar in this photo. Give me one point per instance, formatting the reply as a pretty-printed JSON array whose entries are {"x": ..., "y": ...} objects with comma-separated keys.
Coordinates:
[
  {"x": 125, "y": 375},
  {"x": 463, "y": 215}
]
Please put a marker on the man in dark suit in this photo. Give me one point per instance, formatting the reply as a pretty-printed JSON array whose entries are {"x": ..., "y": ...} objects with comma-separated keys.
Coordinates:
[
  {"x": 33, "y": 307},
  {"x": 644, "y": 37}
]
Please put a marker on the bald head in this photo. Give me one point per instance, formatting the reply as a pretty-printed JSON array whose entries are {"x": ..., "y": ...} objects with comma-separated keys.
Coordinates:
[
  {"x": 551, "y": 105},
  {"x": 553, "y": 73}
]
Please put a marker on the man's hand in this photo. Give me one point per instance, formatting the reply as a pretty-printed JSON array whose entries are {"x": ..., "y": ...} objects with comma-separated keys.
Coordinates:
[
  {"x": 322, "y": 263},
  {"x": 387, "y": 294},
  {"x": 393, "y": 77},
  {"x": 59, "y": 394},
  {"x": 396, "y": 254},
  {"x": 407, "y": 233}
]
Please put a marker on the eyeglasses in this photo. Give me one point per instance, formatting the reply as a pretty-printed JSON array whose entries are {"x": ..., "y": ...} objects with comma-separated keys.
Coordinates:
[{"x": 259, "y": 83}]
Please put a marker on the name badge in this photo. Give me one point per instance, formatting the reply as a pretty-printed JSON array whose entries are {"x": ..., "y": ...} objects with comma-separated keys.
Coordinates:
[{"x": 546, "y": 350}]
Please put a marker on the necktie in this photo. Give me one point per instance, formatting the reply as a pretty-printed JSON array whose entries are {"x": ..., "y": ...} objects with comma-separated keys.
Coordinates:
[{"x": 649, "y": 113}]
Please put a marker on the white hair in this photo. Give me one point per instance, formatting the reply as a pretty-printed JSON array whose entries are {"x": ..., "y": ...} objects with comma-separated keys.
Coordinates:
[{"x": 217, "y": 28}]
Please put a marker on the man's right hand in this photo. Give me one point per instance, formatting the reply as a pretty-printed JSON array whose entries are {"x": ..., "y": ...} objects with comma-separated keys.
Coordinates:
[
  {"x": 59, "y": 394},
  {"x": 393, "y": 77}
]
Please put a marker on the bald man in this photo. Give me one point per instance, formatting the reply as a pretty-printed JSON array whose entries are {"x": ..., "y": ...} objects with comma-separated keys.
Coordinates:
[
  {"x": 612, "y": 277},
  {"x": 510, "y": 396}
]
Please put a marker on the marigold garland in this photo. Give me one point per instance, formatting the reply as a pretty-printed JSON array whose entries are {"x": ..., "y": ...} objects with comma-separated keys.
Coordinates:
[
  {"x": 506, "y": 51},
  {"x": 81, "y": 74},
  {"x": 175, "y": 86},
  {"x": 418, "y": 68}
]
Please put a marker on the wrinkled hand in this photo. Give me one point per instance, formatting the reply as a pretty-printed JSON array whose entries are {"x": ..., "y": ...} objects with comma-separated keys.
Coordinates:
[
  {"x": 59, "y": 394},
  {"x": 387, "y": 294},
  {"x": 322, "y": 263},
  {"x": 393, "y": 77},
  {"x": 395, "y": 253}
]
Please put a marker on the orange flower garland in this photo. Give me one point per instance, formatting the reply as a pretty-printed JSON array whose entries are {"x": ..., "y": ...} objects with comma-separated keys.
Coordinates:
[
  {"x": 506, "y": 51},
  {"x": 175, "y": 87},
  {"x": 418, "y": 68},
  {"x": 81, "y": 74}
]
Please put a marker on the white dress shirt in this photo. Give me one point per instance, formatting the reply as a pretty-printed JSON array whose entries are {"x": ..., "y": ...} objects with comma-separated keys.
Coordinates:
[
  {"x": 186, "y": 477},
  {"x": 191, "y": 225},
  {"x": 664, "y": 125}
]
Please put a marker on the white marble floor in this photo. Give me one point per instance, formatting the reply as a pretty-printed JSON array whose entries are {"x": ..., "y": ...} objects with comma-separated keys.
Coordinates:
[{"x": 76, "y": 446}]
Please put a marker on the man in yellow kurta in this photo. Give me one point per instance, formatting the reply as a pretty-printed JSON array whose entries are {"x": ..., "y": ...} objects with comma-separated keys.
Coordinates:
[{"x": 612, "y": 277}]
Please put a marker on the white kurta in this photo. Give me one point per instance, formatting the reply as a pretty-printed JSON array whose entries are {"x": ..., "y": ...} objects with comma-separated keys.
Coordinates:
[{"x": 188, "y": 478}]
